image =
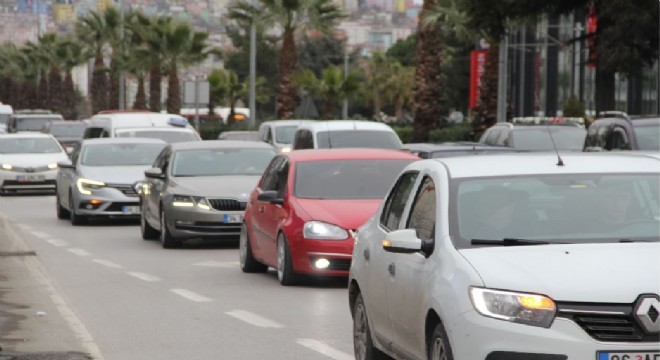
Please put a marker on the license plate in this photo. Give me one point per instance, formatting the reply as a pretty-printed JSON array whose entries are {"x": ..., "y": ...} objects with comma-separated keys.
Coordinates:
[
  {"x": 233, "y": 218},
  {"x": 30, "y": 178},
  {"x": 130, "y": 210},
  {"x": 623, "y": 355}
]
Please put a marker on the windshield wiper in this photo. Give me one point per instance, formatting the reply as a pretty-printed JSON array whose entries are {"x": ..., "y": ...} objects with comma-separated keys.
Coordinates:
[{"x": 509, "y": 242}]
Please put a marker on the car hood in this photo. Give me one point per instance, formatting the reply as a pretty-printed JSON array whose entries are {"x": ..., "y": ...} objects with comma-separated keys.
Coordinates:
[
  {"x": 349, "y": 214},
  {"x": 114, "y": 174},
  {"x": 237, "y": 187},
  {"x": 33, "y": 160},
  {"x": 610, "y": 273}
]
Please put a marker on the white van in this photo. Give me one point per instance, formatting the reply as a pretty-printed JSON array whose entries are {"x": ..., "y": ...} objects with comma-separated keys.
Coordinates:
[
  {"x": 345, "y": 134},
  {"x": 168, "y": 127},
  {"x": 5, "y": 113},
  {"x": 279, "y": 133}
]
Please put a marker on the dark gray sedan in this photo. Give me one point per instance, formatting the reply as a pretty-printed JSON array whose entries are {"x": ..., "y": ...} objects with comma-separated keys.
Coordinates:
[{"x": 200, "y": 189}]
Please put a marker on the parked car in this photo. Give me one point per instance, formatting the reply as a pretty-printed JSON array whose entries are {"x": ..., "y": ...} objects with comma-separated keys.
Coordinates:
[
  {"x": 168, "y": 127},
  {"x": 239, "y": 135},
  {"x": 535, "y": 137},
  {"x": 30, "y": 120},
  {"x": 29, "y": 162},
  {"x": 511, "y": 258},
  {"x": 68, "y": 133},
  {"x": 623, "y": 133},
  {"x": 102, "y": 178},
  {"x": 200, "y": 189},
  {"x": 345, "y": 134},
  {"x": 279, "y": 133},
  {"x": 301, "y": 217},
  {"x": 446, "y": 149}
]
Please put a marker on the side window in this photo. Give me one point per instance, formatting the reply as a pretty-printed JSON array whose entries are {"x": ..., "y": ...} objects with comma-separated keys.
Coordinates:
[
  {"x": 304, "y": 139},
  {"x": 269, "y": 135},
  {"x": 268, "y": 180},
  {"x": 75, "y": 154},
  {"x": 93, "y": 132},
  {"x": 603, "y": 133},
  {"x": 423, "y": 211},
  {"x": 165, "y": 160},
  {"x": 282, "y": 179},
  {"x": 396, "y": 201}
]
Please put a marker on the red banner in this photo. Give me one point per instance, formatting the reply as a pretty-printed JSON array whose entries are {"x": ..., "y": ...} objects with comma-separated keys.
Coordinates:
[
  {"x": 592, "y": 27},
  {"x": 477, "y": 70}
]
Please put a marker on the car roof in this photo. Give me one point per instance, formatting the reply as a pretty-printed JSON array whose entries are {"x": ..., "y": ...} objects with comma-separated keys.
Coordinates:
[
  {"x": 155, "y": 128},
  {"x": 348, "y": 153},
  {"x": 40, "y": 116},
  {"x": 134, "y": 119},
  {"x": 286, "y": 122},
  {"x": 240, "y": 132},
  {"x": 346, "y": 125},
  {"x": 26, "y": 135},
  {"x": 452, "y": 146},
  {"x": 122, "y": 140},
  {"x": 220, "y": 144},
  {"x": 546, "y": 163},
  {"x": 67, "y": 122}
]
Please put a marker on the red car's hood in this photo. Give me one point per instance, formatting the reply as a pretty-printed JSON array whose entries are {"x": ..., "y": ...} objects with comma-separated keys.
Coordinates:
[{"x": 349, "y": 214}]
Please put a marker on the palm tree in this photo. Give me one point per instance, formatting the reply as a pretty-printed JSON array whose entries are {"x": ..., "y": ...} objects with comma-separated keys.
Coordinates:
[
  {"x": 290, "y": 17},
  {"x": 376, "y": 71},
  {"x": 70, "y": 54},
  {"x": 399, "y": 87},
  {"x": 227, "y": 88},
  {"x": 331, "y": 87},
  {"x": 91, "y": 30}
]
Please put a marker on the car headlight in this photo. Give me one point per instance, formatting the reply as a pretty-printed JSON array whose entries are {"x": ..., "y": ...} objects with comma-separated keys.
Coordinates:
[
  {"x": 138, "y": 187},
  {"x": 85, "y": 186},
  {"x": 522, "y": 308},
  {"x": 202, "y": 203},
  {"x": 323, "y": 231},
  {"x": 190, "y": 201},
  {"x": 52, "y": 166},
  {"x": 7, "y": 167},
  {"x": 285, "y": 149}
]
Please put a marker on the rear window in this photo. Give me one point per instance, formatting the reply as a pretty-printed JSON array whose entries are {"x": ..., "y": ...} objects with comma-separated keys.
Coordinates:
[
  {"x": 168, "y": 136},
  {"x": 538, "y": 138},
  {"x": 120, "y": 154},
  {"x": 648, "y": 137},
  {"x": 358, "y": 139},
  {"x": 32, "y": 123},
  {"x": 68, "y": 130}
]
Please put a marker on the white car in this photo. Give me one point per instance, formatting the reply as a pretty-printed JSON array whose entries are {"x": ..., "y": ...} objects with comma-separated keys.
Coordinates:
[
  {"x": 28, "y": 162},
  {"x": 512, "y": 257},
  {"x": 345, "y": 134}
]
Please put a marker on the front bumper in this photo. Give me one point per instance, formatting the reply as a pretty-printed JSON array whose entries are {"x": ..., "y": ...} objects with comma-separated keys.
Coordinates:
[
  {"x": 191, "y": 222},
  {"x": 477, "y": 337},
  {"x": 14, "y": 181},
  {"x": 116, "y": 201},
  {"x": 306, "y": 252}
]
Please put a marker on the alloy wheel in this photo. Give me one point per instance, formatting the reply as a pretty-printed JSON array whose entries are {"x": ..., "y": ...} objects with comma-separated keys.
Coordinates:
[
  {"x": 242, "y": 246},
  {"x": 360, "y": 332},
  {"x": 438, "y": 350},
  {"x": 281, "y": 258}
]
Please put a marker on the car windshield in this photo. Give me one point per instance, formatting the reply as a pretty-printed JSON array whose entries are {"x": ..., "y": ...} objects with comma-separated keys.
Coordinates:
[
  {"x": 346, "y": 179},
  {"x": 219, "y": 162},
  {"x": 284, "y": 134},
  {"x": 168, "y": 136},
  {"x": 357, "y": 139},
  {"x": 68, "y": 130},
  {"x": 120, "y": 154},
  {"x": 32, "y": 123},
  {"x": 648, "y": 137},
  {"x": 557, "y": 208},
  {"x": 538, "y": 138},
  {"x": 23, "y": 145}
]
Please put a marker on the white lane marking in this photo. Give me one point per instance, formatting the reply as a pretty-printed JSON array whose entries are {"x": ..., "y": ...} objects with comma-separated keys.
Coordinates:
[
  {"x": 190, "y": 295},
  {"x": 218, "y": 264},
  {"x": 143, "y": 276},
  {"x": 79, "y": 252},
  {"x": 253, "y": 319},
  {"x": 40, "y": 235},
  {"x": 57, "y": 242},
  {"x": 325, "y": 349},
  {"x": 107, "y": 263}
]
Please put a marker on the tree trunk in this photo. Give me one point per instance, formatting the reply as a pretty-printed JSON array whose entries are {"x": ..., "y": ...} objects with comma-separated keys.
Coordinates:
[
  {"x": 231, "y": 118},
  {"x": 287, "y": 94},
  {"x": 485, "y": 114},
  {"x": 173, "y": 91},
  {"x": 605, "y": 99},
  {"x": 329, "y": 110},
  {"x": 141, "y": 97},
  {"x": 6, "y": 85},
  {"x": 377, "y": 106},
  {"x": 398, "y": 108},
  {"x": 99, "y": 86},
  {"x": 113, "y": 100},
  {"x": 42, "y": 101},
  {"x": 69, "y": 98},
  {"x": 428, "y": 77},
  {"x": 55, "y": 86},
  {"x": 154, "y": 85}
]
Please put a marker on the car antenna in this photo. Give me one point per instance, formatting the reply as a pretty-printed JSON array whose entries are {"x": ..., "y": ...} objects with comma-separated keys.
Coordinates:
[{"x": 560, "y": 162}]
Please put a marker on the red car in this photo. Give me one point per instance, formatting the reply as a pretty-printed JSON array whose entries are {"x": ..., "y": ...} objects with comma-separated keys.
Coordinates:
[{"x": 302, "y": 216}]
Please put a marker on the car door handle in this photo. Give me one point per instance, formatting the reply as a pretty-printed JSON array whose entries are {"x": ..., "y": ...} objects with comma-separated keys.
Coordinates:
[
  {"x": 366, "y": 254},
  {"x": 391, "y": 269}
]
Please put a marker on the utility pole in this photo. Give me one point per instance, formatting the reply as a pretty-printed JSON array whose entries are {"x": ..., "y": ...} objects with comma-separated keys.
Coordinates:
[
  {"x": 253, "y": 71},
  {"x": 122, "y": 86},
  {"x": 344, "y": 108},
  {"x": 197, "y": 102},
  {"x": 502, "y": 78},
  {"x": 38, "y": 20}
]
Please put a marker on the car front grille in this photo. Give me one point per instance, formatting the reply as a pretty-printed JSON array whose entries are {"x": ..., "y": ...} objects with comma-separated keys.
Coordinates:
[
  {"x": 31, "y": 170},
  {"x": 227, "y": 204},
  {"x": 211, "y": 227},
  {"x": 606, "y": 322},
  {"x": 126, "y": 189}
]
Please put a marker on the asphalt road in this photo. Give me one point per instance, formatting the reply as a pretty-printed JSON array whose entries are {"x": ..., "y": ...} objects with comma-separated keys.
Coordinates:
[{"x": 131, "y": 299}]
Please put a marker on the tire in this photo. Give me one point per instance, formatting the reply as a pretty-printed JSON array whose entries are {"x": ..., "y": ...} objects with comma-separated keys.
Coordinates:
[
  {"x": 148, "y": 232},
  {"x": 438, "y": 345},
  {"x": 166, "y": 239},
  {"x": 76, "y": 219},
  {"x": 285, "y": 273},
  {"x": 62, "y": 212},
  {"x": 363, "y": 345},
  {"x": 248, "y": 263}
]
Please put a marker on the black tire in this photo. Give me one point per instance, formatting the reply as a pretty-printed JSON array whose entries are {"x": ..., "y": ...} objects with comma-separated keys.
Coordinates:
[
  {"x": 438, "y": 345},
  {"x": 76, "y": 219},
  {"x": 62, "y": 212},
  {"x": 285, "y": 273},
  {"x": 148, "y": 232},
  {"x": 248, "y": 263},
  {"x": 166, "y": 239},
  {"x": 363, "y": 345}
]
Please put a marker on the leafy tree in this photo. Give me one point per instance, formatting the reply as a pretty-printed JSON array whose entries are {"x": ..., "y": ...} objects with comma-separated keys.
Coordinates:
[
  {"x": 332, "y": 87},
  {"x": 319, "y": 52},
  {"x": 403, "y": 51},
  {"x": 91, "y": 30},
  {"x": 226, "y": 87},
  {"x": 70, "y": 54}
]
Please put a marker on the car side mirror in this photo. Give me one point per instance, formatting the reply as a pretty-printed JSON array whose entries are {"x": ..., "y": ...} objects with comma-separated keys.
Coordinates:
[
  {"x": 270, "y": 196},
  {"x": 402, "y": 242},
  {"x": 66, "y": 165},
  {"x": 154, "y": 173}
]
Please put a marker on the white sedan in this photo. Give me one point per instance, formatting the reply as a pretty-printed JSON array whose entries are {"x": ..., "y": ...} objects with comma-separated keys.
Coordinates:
[{"x": 28, "y": 162}]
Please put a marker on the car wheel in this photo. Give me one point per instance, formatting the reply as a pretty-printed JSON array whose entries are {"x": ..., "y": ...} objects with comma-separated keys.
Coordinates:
[
  {"x": 248, "y": 263},
  {"x": 439, "y": 348},
  {"x": 75, "y": 218},
  {"x": 148, "y": 232},
  {"x": 363, "y": 345},
  {"x": 285, "y": 273},
  {"x": 166, "y": 239},
  {"x": 62, "y": 212}
]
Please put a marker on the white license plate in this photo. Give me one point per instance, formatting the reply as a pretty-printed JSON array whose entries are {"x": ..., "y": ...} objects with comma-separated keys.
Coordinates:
[
  {"x": 624, "y": 355},
  {"x": 233, "y": 218},
  {"x": 30, "y": 178},
  {"x": 130, "y": 210}
]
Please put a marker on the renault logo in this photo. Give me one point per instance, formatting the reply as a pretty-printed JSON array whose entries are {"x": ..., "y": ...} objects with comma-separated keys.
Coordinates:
[{"x": 647, "y": 312}]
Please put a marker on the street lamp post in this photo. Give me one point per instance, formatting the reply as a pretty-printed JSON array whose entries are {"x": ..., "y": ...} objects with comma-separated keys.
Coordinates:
[
  {"x": 502, "y": 78},
  {"x": 344, "y": 108},
  {"x": 122, "y": 86},
  {"x": 253, "y": 71}
]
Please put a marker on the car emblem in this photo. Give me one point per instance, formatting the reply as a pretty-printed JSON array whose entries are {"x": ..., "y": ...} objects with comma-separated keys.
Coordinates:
[{"x": 647, "y": 313}]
